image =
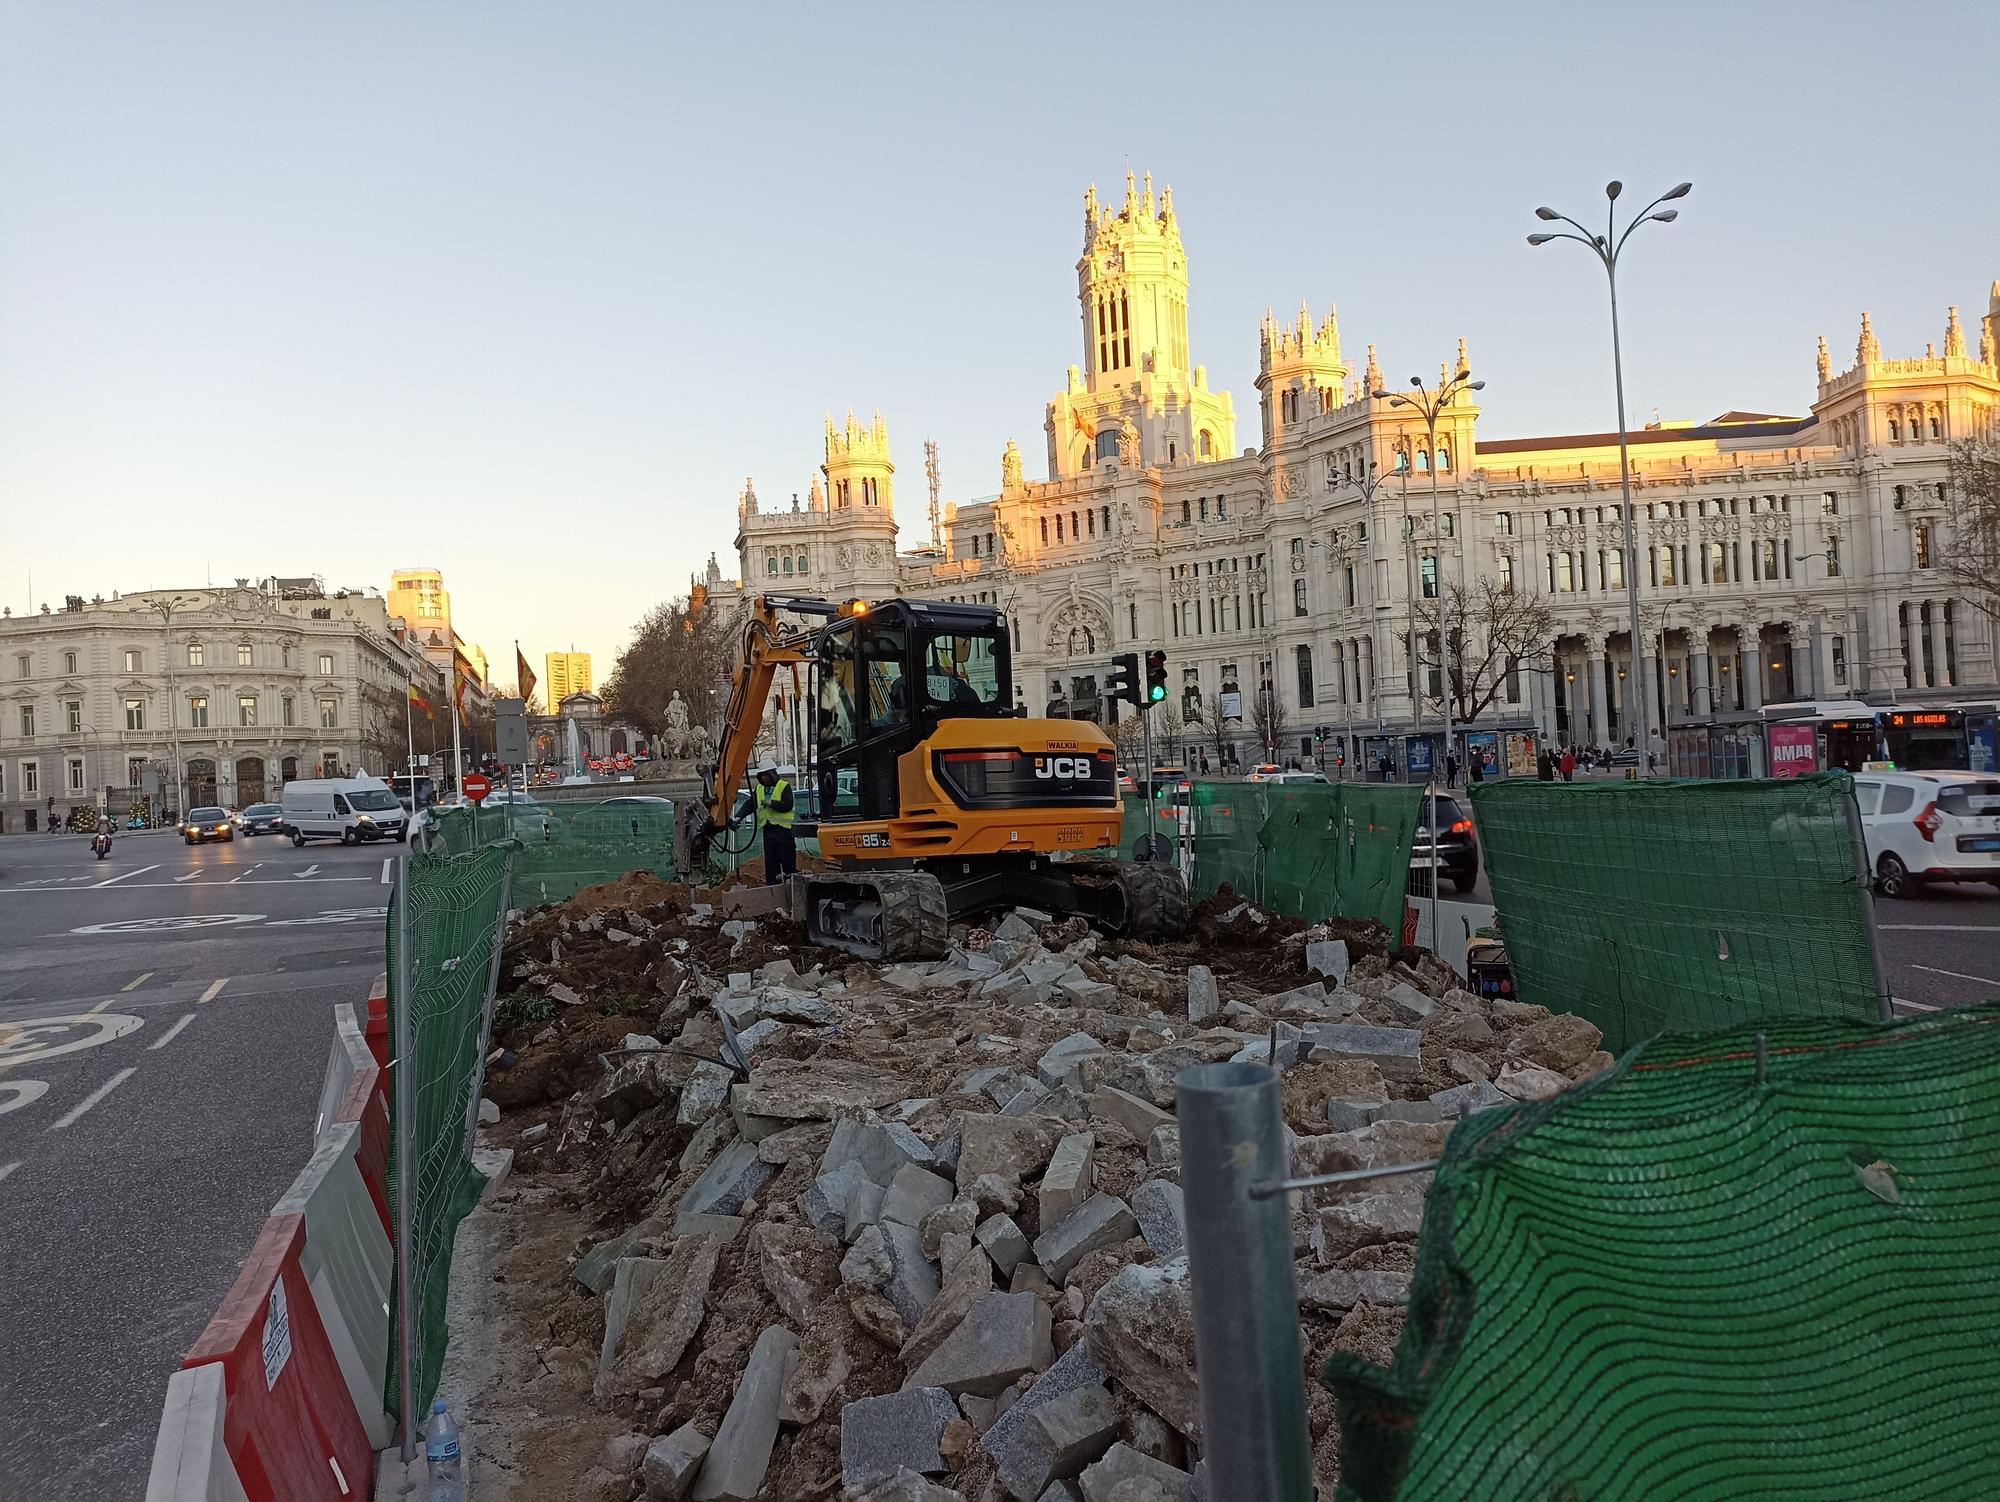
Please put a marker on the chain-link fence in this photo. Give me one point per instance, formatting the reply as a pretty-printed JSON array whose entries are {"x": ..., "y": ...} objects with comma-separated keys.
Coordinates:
[
  {"x": 447, "y": 921},
  {"x": 1750, "y": 1264},
  {"x": 561, "y": 848},
  {"x": 1310, "y": 850},
  {"x": 1649, "y": 906}
]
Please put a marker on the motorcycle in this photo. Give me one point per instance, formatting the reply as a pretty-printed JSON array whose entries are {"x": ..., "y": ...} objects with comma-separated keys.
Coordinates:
[{"x": 101, "y": 844}]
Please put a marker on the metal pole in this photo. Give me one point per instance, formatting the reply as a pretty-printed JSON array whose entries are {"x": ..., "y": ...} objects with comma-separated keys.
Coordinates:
[
  {"x": 1152, "y": 835},
  {"x": 1246, "y": 1315},
  {"x": 1885, "y": 1004},
  {"x": 486, "y": 1005},
  {"x": 1431, "y": 410},
  {"x": 407, "y": 1170},
  {"x": 1642, "y": 724}
]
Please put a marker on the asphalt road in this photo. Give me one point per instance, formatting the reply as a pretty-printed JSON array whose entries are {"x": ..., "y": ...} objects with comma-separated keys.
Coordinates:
[{"x": 165, "y": 1016}]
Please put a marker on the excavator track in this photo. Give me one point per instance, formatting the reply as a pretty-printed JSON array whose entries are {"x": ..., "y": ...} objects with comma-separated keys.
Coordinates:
[{"x": 887, "y": 915}]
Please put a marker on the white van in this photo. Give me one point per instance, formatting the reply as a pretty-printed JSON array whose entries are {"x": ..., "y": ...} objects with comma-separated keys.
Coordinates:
[{"x": 352, "y": 808}]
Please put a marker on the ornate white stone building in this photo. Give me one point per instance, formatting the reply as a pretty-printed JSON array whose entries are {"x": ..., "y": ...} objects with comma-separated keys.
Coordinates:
[{"x": 1783, "y": 557}]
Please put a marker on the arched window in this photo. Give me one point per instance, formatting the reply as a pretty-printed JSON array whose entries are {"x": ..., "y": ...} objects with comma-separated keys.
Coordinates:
[
  {"x": 1895, "y": 431},
  {"x": 1423, "y": 461},
  {"x": 1075, "y": 532},
  {"x": 802, "y": 563},
  {"x": 1107, "y": 445},
  {"x": 1207, "y": 442},
  {"x": 1935, "y": 431},
  {"x": 771, "y": 566},
  {"x": 1187, "y": 511},
  {"x": 788, "y": 563},
  {"x": 1091, "y": 518},
  {"x": 989, "y": 544},
  {"x": 1045, "y": 531},
  {"x": 1059, "y": 531},
  {"x": 1402, "y": 458},
  {"x": 1106, "y": 511},
  {"x": 1298, "y": 597},
  {"x": 1444, "y": 456}
]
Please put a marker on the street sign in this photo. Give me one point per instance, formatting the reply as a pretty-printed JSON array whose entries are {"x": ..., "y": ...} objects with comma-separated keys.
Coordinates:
[
  {"x": 476, "y": 786},
  {"x": 510, "y": 731}
]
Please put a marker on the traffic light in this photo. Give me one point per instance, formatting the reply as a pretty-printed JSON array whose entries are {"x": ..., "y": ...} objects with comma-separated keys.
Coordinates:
[
  {"x": 1156, "y": 676},
  {"x": 1124, "y": 680}
]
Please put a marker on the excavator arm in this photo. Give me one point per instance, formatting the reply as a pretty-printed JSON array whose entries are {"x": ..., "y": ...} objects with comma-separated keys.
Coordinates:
[{"x": 765, "y": 647}]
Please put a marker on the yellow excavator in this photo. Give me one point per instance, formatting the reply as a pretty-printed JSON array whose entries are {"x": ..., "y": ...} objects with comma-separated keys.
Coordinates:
[{"x": 935, "y": 799}]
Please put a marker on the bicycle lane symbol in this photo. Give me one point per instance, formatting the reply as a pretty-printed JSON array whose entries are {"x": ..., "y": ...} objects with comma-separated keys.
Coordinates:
[{"x": 41, "y": 1038}]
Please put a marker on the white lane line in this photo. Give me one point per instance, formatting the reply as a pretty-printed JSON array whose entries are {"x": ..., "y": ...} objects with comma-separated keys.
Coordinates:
[
  {"x": 1984, "y": 980},
  {"x": 1913, "y": 1006},
  {"x": 170, "y": 1034},
  {"x": 213, "y": 991},
  {"x": 234, "y": 879},
  {"x": 309, "y": 870},
  {"x": 255, "y": 881},
  {"x": 7, "y": 1168},
  {"x": 127, "y": 876},
  {"x": 93, "y": 1098},
  {"x": 387, "y": 862},
  {"x": 1943, "y": 928},
  {"x": 191, "y": 876},
  {"x": 136, "y": 984}
]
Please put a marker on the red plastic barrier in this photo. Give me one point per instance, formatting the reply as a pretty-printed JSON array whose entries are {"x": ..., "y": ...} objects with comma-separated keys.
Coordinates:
[
  {"x": 290, "y": 1425},
  {"x": 368, "y": 1108},
  {"x": 377, "y": 1027}
]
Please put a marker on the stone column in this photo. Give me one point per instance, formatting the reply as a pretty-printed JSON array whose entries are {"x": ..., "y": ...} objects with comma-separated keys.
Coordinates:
[
  {"x": 1805, "y": 680},
  {"x": 1701, "y": 698},
  {"x": 1598, "y": 729},
  {"x": 1940, "y": 668},
  {"x": 1750, "y": 663}
]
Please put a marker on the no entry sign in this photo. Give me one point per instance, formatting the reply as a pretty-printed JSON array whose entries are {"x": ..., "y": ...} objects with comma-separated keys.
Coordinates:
[{"x": 477, "y": 785}]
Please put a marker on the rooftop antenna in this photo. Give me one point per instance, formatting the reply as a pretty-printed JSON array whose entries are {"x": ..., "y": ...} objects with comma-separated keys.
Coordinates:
[{"x": 931, "y": 474}]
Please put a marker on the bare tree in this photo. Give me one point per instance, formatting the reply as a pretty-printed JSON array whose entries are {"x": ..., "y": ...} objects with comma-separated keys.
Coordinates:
[
  {"x": 680, "y": 645},
  {"x": 1493, "y": 632},
  {"x": 1211, "y": 720},
  {"x": 1970, "y": 558},
  {"x": 1268, "y": 719},
  {"x": 1130, "y": 734}
]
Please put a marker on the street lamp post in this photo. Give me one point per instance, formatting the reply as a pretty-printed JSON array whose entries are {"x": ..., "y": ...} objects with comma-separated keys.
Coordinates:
[
  {"x": 1428, "y": 405},
  {"x": 1830, "y": 555},
  {"x": 1607, "y": 248}
]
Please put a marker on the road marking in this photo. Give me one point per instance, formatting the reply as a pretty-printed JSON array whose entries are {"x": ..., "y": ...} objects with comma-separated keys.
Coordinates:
[
  {"x": 234, "y": 879},
  {"x": 136, "y": 984},
  {"x": 296, "y": 875},
  {"x": 170, "y": 1034},
  {"x": 76, "y": 1113},
  {"x": 1913, "y": 1006},
  {"x": 8, "y": 1168},
  {"x": 32, "y": 1039},
  {"x": 255, "y": 881},
  {"x": 22, "y": 1093},
  {"x": 387, "y": 862},
  {"x": 213, "y": 991},
  {"x": 154, "y": 925},
  {"x": 191, "y": 876},
  {"x": 127, "y": 876},
  {"x": 1943, "y": 928},
  {"x": 1984, "y": 980}
]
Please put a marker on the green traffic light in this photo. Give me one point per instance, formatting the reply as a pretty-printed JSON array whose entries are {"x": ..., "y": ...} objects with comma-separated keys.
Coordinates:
[{"x": 1156, "y": 693}]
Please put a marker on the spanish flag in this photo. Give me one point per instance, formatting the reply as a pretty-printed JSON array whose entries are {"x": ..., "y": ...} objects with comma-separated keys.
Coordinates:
[
  {"x": 1082, "y": 423},
  {"x": 459, "y": 679},
  {"x": 419, "y": 702}
]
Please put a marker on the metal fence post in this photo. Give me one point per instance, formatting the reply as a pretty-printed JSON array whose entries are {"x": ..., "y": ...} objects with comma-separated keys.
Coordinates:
[
  {"x": 407, "y": 1168},
  {"x": 478, "y": 1081},
  {"x": 1885, "y": 1004},
  {"x": 1248, "y": 1358}
]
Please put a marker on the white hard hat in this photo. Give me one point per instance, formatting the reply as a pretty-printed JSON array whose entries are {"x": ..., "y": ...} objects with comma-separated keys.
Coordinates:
[
  {"x": 766, "y": 765},
  {"x": 788, "y": 770}
]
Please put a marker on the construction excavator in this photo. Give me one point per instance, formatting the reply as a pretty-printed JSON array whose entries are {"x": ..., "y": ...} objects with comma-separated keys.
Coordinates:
[{"x": 935, "y": 799}]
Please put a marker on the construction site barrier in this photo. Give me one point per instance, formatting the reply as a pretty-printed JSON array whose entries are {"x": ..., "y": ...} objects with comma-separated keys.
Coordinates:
[
  {"x": 561, "y": 848},
  {"x": 1653, "y": 906},
  {"x": 1757, "y": 1263},
  {"x": 1309, "y": 850},
  {"x": 289, "y": 1426},
  {"x": 190, "y": 1458},
  {"x": 376, "y": 1029},
  {"x": 348, "y": 1058},
  {"x": 349, "y": 1265}
]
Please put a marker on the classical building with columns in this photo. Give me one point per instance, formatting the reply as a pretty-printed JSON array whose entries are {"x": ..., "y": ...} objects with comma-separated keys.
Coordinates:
[{"x": 1782, "y": 557}]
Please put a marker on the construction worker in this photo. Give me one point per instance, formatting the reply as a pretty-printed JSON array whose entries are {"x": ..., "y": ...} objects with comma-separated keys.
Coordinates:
[{"x": 774, "y": 818}]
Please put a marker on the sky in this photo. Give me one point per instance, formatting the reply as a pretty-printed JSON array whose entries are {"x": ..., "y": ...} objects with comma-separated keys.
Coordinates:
[{"x": 524, "y": 291}]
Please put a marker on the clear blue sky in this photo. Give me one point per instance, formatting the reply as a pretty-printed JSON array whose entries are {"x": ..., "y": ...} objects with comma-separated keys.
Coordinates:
[{"x": 525, "y": 290}]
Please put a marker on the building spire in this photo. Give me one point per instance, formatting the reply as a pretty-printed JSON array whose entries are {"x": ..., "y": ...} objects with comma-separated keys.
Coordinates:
[
  {"x": 1330, "y": 330},
  {"x": 1866, "y": 349},
  {"x": 1372, "y": 381},
  {"x": 1954, "y": 335},
  {"x": 1825, "y": 362},
  {"x": 1464, "y": 359}
]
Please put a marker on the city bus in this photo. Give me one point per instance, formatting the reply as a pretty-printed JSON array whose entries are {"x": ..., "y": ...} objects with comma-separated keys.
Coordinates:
[{"x": 1847, "y": 735}]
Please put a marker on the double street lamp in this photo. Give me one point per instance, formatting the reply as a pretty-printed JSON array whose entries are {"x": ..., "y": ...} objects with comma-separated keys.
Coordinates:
[
  {"x": 1428, "y": 405},
  {"x": 1607, "y": 247}
]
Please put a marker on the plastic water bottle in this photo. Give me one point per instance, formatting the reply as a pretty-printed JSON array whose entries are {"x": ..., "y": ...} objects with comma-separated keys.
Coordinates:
[{"x": 446, "y": 1481}]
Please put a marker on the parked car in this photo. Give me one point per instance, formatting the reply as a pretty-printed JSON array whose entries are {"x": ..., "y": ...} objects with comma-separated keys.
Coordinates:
[
  {"x": 1929, "y": 826},
  {"x": 1265, "y": 771},
  {"x": 262, "y": 818},
  {"x": 1456, "y": 841},
  {"x": 627, "y": 815},
  {"x": 205, "y": 824}
]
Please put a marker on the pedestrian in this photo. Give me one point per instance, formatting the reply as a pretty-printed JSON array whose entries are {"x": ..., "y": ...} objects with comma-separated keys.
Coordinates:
[
  {"x": 1451, "y": 771},
  {"x": 1478, "y": 773},
  {"x": 1569, "y": 765},
  {"x": 1545, "y": 765},
  {"x": 1387, "y": 766},
  {"x": 774, "y": 818}
]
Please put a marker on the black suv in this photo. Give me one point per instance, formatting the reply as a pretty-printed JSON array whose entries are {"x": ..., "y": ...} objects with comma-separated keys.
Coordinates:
[{"x": 1457, "y": 844}]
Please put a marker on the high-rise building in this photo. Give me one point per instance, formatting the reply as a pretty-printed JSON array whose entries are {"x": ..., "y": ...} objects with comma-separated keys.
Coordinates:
[
  {"x": 564, "y": 673},
  {"x": 418, "y": 596}
]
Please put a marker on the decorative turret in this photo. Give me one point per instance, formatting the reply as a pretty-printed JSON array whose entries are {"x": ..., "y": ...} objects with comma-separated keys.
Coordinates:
[
  {"x": 1866, "y": 349},
  {"x": 816, "y": 500},
  {"x": 1299, "y": 370},
  {"x": 746, "y": 499},
  {"x": 1954, "y": 335},
  {"x": 1371, "y": 379},
  {"x": 1464, "y": 366},
  {"x": 857, "y": 468},
  {"x": 1825, "y": 362}
]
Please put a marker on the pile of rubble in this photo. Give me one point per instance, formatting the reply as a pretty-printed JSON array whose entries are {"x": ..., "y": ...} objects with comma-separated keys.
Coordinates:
[{"x": 914, "y": 1233}]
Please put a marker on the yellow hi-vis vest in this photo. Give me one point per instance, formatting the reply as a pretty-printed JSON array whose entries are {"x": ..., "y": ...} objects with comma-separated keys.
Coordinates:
[{"x": 766, "y": 815}]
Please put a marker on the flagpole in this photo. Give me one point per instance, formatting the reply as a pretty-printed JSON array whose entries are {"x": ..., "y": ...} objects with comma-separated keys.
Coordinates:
[
  {"x": 457, "y": 751},
  {"x": 410, "y": 731}
]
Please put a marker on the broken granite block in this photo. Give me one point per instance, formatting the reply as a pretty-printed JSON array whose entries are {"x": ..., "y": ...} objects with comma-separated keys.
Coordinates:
[
  {"x": 1204, "y": 998},
  {"x": 1463, "y": 1100},
  {"x": 1328, "y": 957},
  {"x": 736, "y": 1174},
  {"x": 1161, "y": 1211},
  {"x": 913, "y": 1194},
  {"x": 1396, "y": 1051},
  {"x": 1004, "y": 1241},
  {"x": 1100, "y": 1221},
  {"x": 897, "y": 1429},
  {"x": 1055, "y": 1066},
  {"x": 1058, "y": 1439},
  {"x": 825, "y": 1199},
  {"x": 741, "y": 1450},
  {"x": 1125, "y": 1472},
  {"x": 1067, "y": 1181},
  {"x": 1003, "y": 1337}
]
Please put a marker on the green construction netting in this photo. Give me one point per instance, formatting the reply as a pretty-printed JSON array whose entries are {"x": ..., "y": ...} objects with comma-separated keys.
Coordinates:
[
  {"x": 1311, "y": 850},
  {"x": 457, "y": 907},
  {"x": 1649, "y": 906},
  {"x": 1678, "y": 1285},
  {"x": 565, "y": 847}
]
